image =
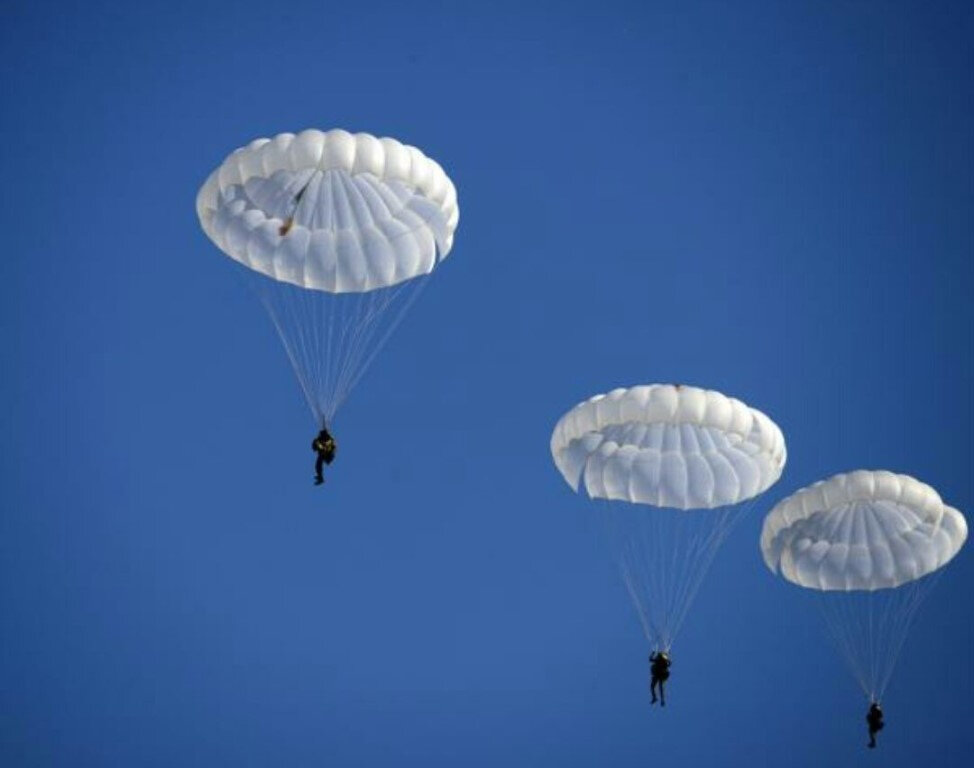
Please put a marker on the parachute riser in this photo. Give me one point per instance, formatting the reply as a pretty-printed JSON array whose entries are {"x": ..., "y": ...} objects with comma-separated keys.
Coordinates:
[{"x": 663, "y": 556}]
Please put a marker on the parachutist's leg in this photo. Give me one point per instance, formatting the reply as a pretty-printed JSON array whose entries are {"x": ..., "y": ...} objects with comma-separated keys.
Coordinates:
[
  {"x": 319, "y": 478},
  {"x": 652, "y": 689},
  {"x": 662, "y": 694}
]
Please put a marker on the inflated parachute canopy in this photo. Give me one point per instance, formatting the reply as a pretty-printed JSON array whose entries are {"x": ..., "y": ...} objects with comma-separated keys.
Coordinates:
[
  {"x": 668, "y": 446},
  {"x": 861, "y": 531},
  {"x": 331, "y": 211}
]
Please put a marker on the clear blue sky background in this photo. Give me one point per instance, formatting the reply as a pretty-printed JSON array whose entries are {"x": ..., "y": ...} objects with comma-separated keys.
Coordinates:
[{"x": 773, "y": 200}]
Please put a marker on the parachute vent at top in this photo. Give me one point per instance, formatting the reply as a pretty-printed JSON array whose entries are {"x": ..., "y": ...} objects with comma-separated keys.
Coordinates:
[{"x": 331, "y": 211}]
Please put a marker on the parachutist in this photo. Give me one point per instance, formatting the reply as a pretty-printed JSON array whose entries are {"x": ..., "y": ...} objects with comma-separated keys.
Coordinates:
[
  {"x": 874, "y": 718},
  {"x": 659, "y": 673},
  {"x": 324, "y": 445}
]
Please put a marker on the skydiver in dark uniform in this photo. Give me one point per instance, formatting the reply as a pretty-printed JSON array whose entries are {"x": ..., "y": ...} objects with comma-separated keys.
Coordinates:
[
  {"x": 324, "y": 445},
  {"x": 874, "y": 719},
  {"x": 659, "y": 673}
]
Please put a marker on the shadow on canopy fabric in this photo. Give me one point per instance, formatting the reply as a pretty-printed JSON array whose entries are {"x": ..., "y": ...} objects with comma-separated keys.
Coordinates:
[{"x": 339, "y": 233}]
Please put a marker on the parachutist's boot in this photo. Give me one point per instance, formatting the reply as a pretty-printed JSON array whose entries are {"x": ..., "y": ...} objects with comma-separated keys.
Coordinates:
[{"x": 319, "y": 480}]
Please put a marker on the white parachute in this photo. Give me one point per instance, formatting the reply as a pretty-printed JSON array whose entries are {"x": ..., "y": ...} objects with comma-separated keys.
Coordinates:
[
  {"x": 339, "y": 233},
  {"x": 683, "y": 460},
  {"x": 871, "y": 544}
]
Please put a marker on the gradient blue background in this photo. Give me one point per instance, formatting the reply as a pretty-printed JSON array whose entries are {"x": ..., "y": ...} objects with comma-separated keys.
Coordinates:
[{"x": 773, "y": 202}]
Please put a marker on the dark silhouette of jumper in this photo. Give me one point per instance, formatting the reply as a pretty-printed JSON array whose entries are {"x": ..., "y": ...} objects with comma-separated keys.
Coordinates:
[
  {"x": 874, "y": 719},
  {"x": 324, "y": 445},
  {"x": 659, "y": 673}
]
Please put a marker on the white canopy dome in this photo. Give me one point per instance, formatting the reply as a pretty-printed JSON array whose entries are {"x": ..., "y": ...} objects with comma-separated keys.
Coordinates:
[
  {"x": 331, "y": 211},
  {"x": 861, "y": 531},
  {"x": 668, "y": 446}
]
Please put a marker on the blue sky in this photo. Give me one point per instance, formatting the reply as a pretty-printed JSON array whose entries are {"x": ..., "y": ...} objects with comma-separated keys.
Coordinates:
[{"x": 772, "y": 200}]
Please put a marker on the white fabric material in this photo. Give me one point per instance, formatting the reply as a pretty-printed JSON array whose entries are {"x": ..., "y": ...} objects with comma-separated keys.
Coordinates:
[
  {"x": 861, "y": 531},
  {"x": 331, "y": 211},
  {"x": 668, "y": 446}
]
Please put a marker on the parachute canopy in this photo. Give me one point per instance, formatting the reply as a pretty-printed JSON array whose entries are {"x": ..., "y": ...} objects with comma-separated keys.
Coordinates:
[
  {"x": 861, "y": 531},
  {"x": 331, "y": 211},
  {"x": 671, "y": 446},
  {"x": 869, "y": 546},
  {"x": 668, "y": 446},
  {"x": 339, "y": 234}
]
